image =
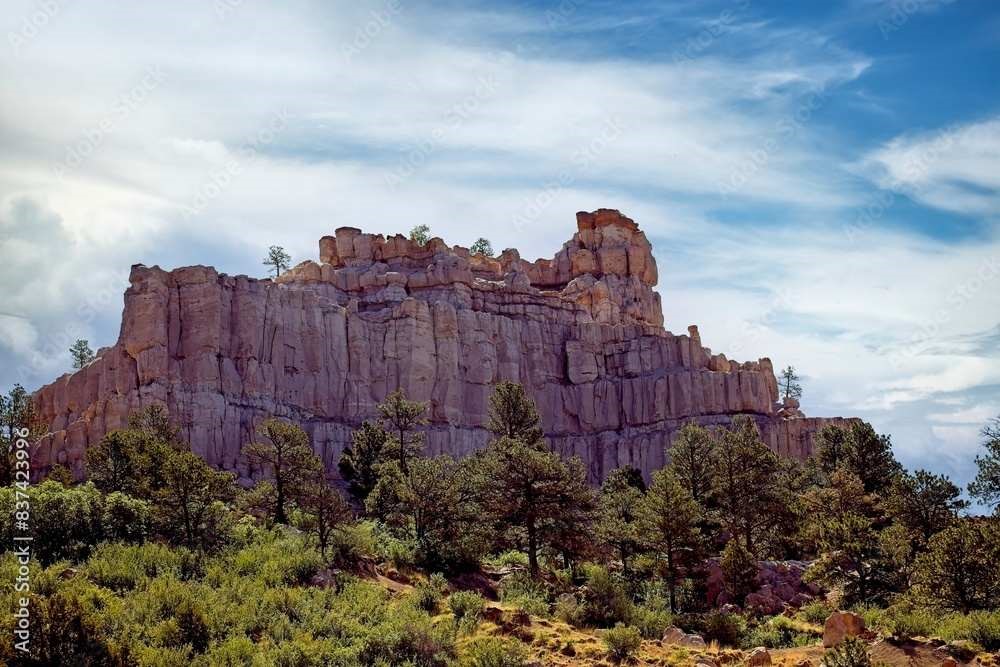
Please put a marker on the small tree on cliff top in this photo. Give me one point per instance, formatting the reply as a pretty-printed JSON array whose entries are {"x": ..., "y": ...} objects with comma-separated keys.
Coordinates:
[
  {"x": 277, "y": 259},
  {"x": 790, "y": 386},
  {"x": 284, "y": 452},
  {"x": 482, "y": 247},
  {"x": 81, "y": 353},
  {"x": 420, "y": 234}
]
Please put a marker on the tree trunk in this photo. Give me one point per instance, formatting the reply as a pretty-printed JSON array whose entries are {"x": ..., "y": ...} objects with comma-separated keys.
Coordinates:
[
  {"x": 532, "y": 549},
  {"x": 279, "y": 510}
]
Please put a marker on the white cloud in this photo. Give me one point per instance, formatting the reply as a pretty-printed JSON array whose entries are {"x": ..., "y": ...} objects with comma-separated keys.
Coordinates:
[{"x": 955, "y": 169}]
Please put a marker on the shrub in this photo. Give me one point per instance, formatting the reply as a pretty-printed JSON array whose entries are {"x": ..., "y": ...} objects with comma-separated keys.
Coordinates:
[
  {"x": 466, "y": 605},
  {"x": 777, "y": 632},
  {"x": 520, "y": 590},
  {"x": 651, "y": 619},
  {"x": 851, "y": 652},
  {"x": 569, "y": 610},
  {"x": 123, "y": 567},
  {"x": 496, "y": 652},
  {"x": 727, "y": 629},
  {"x": 910, "y": 622},
  {"x": 511, "y": 559},
  {"x": 606, "y": 602},
  {"x": 981, "y": 627},
  {"x": 622, "y": 642},
  {"x": 816, "y": 612},
  {"x": 428, "y": 594},
  {"x": 125, "y": 518}
]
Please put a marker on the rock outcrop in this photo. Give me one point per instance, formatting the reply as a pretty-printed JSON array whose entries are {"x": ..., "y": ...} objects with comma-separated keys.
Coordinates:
[{"x": 325, "y": 342}]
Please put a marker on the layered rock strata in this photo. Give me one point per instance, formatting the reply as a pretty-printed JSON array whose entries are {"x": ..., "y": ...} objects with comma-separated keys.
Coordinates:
[{"x": 325, "y": 342}]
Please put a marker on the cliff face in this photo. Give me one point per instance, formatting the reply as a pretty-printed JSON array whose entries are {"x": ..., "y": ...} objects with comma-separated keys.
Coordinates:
[{"x": 325, "y": 342}]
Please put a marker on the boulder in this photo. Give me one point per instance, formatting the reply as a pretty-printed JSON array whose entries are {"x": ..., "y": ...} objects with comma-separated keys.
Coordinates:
[
  {"x": 841, "y": 625},
  {"x": 758, "y": 657},
  {"x": 677, "y": 637}
]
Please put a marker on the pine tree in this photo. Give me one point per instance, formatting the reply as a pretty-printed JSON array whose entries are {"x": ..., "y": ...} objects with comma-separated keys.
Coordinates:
[
  {"x": 692, "y": 459},
  {"x": 81, "y": 352},
  {"x": 283, "y": 451},
  {"x": 533, "y": 489},
  {"x": 401, "y": 418},
  {"x": 791, "y": 388},
  {"x": 747, "y": 483},
  {"x": 670, "y": 523},
  {"x": 619, "y": 525},
  {"x": 326, "y": 509},
  {"x": 986, "y": 486},
  {"x": 359, "y": 464},
  {"x": 924, "y": 504},
  {"x": 959, "y": 570},
  {"x": 277, "y": 259},
  {"x": 513, "y": 415},
  {"x": 18, "y": 420}
]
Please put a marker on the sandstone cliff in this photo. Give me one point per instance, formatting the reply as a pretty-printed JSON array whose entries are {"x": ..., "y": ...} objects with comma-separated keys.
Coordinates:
[{"x": 325, "y": 342}]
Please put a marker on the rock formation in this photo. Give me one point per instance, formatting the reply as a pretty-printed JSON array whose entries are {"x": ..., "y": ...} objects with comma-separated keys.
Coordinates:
[{"x": 325, "y": 342}]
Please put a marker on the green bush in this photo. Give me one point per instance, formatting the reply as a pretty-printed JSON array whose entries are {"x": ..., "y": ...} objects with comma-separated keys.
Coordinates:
[
  {"x": 495, "y": 652},
  {"x": 776, "y": 632},
  {"x": 981, "y": 627},
  {"x": 652, "y": 619},
  {"x": 815, "y": 612},
  {"x": 851, "y": 652},
  {"x": 511, "y": 559},
  {"x": 569, "y": 610},
  {"x": 466, "y": 605},
  {"x": 123, "y": 567},
  {"x": 727, "y": 629},
  {"x": 427, "y": 594},
  {"x": 125, "y": 518},
  {"x": 622, "y": 642},
  {"x": 606, "y": 602}
]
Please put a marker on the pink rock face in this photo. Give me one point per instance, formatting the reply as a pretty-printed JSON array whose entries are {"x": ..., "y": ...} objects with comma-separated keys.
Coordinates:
[{"x": 324, "y": 343}]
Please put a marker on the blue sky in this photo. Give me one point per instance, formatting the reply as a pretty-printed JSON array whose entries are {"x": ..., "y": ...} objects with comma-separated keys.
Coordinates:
[{"x": 821, "y": 181}]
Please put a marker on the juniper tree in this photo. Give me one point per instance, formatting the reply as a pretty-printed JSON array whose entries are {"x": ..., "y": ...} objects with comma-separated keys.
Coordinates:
[
  {"x": 924, "y": 504},
  {"x": 482, "y": 247},
  {"x": 420, "y": 234}
]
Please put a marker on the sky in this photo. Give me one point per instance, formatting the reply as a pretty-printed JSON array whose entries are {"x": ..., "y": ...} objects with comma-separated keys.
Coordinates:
[{"x": 820, "y": 181}]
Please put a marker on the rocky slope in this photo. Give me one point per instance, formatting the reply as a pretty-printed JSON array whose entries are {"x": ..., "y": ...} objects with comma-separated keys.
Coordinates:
[{"x": 325, "y": 342}]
